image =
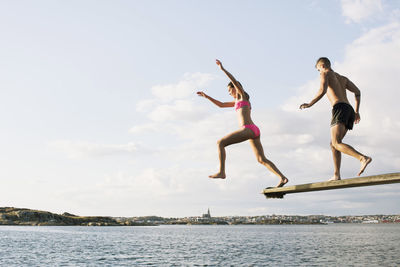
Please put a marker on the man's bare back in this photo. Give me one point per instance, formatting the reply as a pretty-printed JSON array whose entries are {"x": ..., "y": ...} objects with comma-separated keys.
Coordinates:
[
  {"x": 334, "y": 86},
  {"x": 336, "y": 90}
]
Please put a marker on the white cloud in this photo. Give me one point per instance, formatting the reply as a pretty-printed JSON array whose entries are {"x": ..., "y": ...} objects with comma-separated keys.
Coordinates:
[
  {"x": 146, "y": 105},
  {"x": 371, "y": 62},
  {"x": 174, "y": 102},
  {"x": 296, "y": 141},
  {"x": 359, "y": 10},
  {"x": 145, "y": 184},
  {"x": 395, "y": 14},
  {"x": 178, "y": 110},
  {"x": 78, "y": 150},
  {"x": 208, "y": 128},
  {"x": 387, "y": 34},
  {"x": 377, "y": 79},
  {"x": 144, "y": 128},
  {"x": 190, "y": 83}
]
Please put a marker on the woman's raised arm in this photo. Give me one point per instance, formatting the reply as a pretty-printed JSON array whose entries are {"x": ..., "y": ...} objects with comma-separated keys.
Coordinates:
[{"x": 230, "y": 76}]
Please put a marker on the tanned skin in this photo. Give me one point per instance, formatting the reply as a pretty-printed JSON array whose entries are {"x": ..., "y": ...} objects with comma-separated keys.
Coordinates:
[
  {"x": 244, "y": 134},
  {"x": 334, "y": 86}
]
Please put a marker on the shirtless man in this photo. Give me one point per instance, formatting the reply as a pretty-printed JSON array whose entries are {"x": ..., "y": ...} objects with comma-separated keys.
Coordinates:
[{"x": 343, "y": 116}]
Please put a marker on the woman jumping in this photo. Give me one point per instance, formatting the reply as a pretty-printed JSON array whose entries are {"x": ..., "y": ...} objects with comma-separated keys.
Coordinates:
[{"x": 249, "y": 131}]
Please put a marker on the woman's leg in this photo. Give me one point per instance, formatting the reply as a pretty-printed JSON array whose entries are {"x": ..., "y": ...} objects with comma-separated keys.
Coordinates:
[
  {"x": 259, "y": 152},
  {"x": 233, "y": 138}
]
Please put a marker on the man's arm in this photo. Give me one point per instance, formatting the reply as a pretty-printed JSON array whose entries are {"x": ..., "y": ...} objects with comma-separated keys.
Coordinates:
[
  {"x": 321, "y": 92},
  {"x": 357, "y": 93},
  {"x": 216, "y": 102},
  {"x": 230, "y": 76}
]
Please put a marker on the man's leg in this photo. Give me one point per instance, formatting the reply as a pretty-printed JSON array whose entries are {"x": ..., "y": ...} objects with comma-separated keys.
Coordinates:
[
  {"x": 338, "y": 131},
  {"x": 337, "y": 156}
]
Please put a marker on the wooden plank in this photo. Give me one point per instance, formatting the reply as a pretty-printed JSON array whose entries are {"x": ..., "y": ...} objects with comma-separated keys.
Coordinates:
[{"x": 279, "y": 192}]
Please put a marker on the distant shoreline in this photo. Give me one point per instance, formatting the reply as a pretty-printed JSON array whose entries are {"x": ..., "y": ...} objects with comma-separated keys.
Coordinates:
[{"x": 29, "y": 217}]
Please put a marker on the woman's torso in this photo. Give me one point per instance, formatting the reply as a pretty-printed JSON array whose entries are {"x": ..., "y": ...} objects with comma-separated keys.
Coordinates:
[{"x": 243, "y": 111}]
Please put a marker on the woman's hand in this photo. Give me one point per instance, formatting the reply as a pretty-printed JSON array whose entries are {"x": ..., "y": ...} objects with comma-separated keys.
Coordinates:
[
  {"x": 200, "y": 93},
  {"x": 305, "y": 105},
  {"x": 219, "y": 64}
]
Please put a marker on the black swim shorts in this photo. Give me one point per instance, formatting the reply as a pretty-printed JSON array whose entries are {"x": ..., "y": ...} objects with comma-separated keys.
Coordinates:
[{"x": 343, "y": 113}]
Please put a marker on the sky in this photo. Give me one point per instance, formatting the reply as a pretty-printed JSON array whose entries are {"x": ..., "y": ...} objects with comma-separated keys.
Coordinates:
[{"x": 99, "y": 113}]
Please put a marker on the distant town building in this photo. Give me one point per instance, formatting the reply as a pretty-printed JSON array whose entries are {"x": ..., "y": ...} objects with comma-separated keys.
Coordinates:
[{"x": 207, "y": 215}]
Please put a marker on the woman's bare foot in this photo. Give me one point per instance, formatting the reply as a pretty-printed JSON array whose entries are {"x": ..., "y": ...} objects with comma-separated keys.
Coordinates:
[
  {"x": 364, "y": 162},
  {"x": 219, "y": 175},
  {"x": 283, "y": 182}
]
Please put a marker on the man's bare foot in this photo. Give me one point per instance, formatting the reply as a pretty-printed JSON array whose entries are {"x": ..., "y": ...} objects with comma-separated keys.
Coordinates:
[
  {"x": 364, "y": 162},
  {"x": 283, "y": 182},
  {"x": 335, "y": 178},
  {"x": 218, "y": 176}
]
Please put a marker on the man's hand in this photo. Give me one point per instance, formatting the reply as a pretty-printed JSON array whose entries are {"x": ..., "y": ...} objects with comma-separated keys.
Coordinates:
[
  {"x": 305, "y": 105},
  {"x": 219, "y": 64},
  {"x": 357, "y": 118}
]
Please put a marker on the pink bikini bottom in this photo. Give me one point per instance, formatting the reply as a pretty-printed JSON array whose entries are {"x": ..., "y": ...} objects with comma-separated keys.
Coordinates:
[{"x": 254, "y": 128}]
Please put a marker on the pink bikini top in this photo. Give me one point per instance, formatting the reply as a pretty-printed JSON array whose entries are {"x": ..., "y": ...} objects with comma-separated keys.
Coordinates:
[{"x": 240, "y": 104}]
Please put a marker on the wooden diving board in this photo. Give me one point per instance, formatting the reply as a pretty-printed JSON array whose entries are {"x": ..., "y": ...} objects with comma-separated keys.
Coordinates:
[{"x": 279, "y": 192}]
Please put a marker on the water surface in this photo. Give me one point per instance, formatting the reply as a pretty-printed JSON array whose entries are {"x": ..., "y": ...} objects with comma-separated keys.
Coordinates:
[{"x": 269, "y": 245}]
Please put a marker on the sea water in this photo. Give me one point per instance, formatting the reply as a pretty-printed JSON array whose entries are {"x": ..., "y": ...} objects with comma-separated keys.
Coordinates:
[{"x": 240, "y": 245}]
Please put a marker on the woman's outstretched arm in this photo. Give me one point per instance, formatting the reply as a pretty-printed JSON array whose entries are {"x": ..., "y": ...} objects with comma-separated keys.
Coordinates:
[
  {"x": 216, "y": 102},
  {"x": 230, "y": 76}
]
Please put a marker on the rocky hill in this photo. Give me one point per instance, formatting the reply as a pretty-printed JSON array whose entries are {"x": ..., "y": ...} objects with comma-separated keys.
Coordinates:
[{"x": 18, "y": 216}]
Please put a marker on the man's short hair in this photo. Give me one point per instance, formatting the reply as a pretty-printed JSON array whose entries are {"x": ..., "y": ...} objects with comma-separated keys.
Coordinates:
[{"x": 324, "y": 60}]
